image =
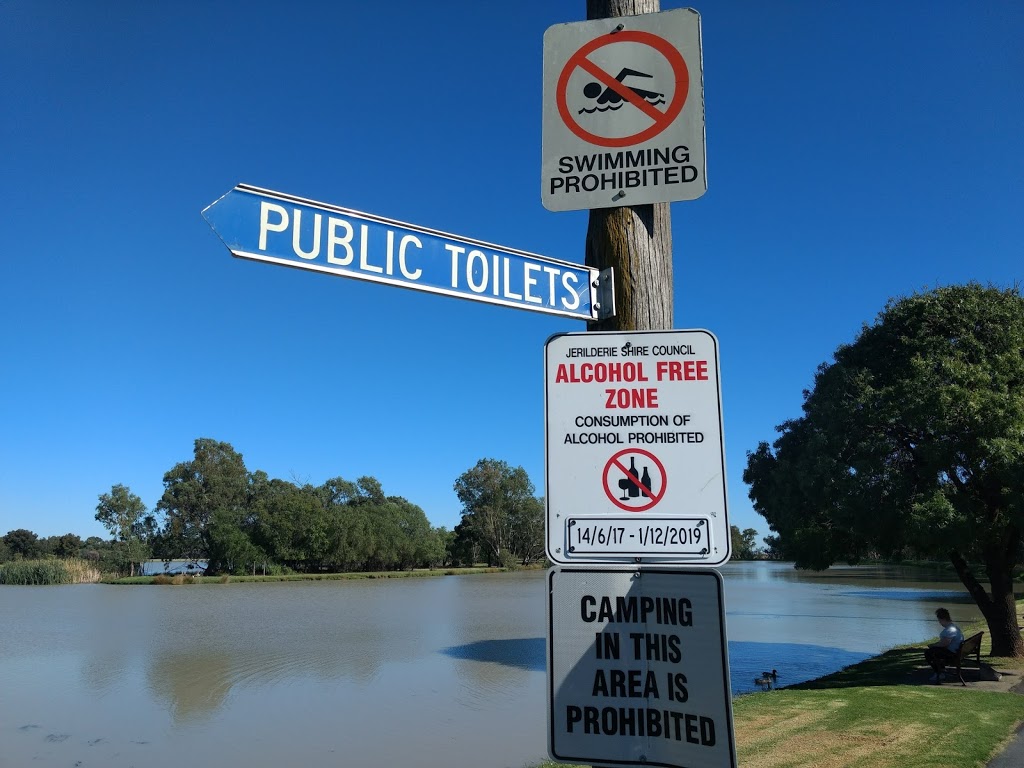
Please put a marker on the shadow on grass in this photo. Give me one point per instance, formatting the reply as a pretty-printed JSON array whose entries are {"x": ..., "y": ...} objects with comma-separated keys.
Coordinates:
[{"x": 900, "y": 666}]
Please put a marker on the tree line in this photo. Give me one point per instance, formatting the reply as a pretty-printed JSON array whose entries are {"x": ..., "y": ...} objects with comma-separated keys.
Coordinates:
[{"x": 214, "y": 509}]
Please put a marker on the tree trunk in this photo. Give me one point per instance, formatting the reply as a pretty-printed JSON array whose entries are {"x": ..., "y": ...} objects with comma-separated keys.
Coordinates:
[
  {"x": 635, "y": 241},
  {"x": 999, "y": 610}
]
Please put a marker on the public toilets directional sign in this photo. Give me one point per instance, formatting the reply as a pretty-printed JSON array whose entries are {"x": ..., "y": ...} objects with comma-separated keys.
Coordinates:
[{"x": 282, "y": 229}]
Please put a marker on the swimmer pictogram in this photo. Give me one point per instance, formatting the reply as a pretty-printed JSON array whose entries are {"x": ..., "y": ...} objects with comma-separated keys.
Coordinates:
[
  {"x": 625, "y": 93},
  {"x": 608, "y": 98}
]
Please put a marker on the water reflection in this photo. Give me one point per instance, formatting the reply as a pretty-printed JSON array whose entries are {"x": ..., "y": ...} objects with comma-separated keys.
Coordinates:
[{"x": 192, "y": 687}]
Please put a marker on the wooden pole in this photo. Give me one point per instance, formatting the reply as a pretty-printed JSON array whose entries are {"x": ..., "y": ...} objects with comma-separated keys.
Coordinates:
[{"x": 636, "y": 241}]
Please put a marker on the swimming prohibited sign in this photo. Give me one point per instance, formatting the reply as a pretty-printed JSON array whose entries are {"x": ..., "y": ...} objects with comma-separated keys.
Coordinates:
[
  {"x": 635, "y": 457},
  {"x": 623, "y": 114}
]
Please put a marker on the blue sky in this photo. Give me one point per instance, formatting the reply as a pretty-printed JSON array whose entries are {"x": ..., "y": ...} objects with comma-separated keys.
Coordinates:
[{"x": 855, "y": 152}]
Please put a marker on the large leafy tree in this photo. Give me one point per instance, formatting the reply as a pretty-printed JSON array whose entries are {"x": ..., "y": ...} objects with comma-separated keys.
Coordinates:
[
  {"x": 912, "y": 440},
  {"x": 22, "y": 542},
  {"x": 205, "y": 499},
  {"x": 122, "y": 513},
  {"x": 497, "y": 506},
  {"x": 68, "y": 545},
  {"x": 290, "y": 524}
]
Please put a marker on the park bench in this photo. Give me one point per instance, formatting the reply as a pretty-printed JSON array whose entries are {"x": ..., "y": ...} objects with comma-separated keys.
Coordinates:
[{"x": 971, "y": 646}]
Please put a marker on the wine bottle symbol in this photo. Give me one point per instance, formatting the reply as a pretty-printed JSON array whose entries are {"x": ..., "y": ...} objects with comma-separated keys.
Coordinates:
[
  {"x": 634, "y": 489},
  {"x": 645, "y": 483}
]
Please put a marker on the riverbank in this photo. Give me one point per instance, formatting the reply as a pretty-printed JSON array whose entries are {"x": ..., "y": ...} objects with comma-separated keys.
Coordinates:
[
  {"x": 182, "y": 579},
  {"x": 883, "y": 713}
]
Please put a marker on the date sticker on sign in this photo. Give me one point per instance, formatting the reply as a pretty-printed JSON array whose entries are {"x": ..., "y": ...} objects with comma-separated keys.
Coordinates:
[{"x": 660, "y": 536}]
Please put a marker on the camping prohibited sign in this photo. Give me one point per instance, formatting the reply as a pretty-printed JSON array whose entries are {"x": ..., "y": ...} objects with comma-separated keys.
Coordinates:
[
  {"x": 623, "y": 115},
  {"x": 635, "y": 457},
  {"x": 638, "y": 668}
]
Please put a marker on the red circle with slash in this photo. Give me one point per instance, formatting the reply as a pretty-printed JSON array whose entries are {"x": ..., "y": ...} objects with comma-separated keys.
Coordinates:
[
  {"x": 660, "y": 120},
  {"x": 614, "y": 462}
]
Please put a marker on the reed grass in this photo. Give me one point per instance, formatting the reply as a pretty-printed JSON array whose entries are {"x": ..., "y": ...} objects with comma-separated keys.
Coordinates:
[{"x": 50, "y": 571}]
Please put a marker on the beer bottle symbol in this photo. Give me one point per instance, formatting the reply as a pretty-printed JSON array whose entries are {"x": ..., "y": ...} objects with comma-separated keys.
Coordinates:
[{"x": 645, "y": 482}]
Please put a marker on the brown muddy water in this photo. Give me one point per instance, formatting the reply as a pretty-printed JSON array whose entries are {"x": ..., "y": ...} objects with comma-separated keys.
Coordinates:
[{"x": 443, "y": 672}]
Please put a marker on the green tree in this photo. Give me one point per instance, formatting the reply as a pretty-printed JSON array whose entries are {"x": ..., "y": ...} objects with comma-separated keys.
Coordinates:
[
  {"x": 912, "y": 438},
  {"x": 744, "y": 545},
  {"x": 772, "y": 548},
  {"x": 290, "y": 524},
  {"x": 68, "y": 545},
  {"x": 528, "y": 530},
  {"x": 23, "y": 543},
  {"x": 463, "y": 546},
  {"x": 214, "y": 482},
  {"x": 121, "y": 512},
  {"x": 497, "y": 500},
  {"x": 433, "y": 550}
]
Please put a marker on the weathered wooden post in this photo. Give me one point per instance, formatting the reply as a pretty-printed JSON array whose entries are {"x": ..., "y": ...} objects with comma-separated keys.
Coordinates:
[{"x": 636, "y": 241}]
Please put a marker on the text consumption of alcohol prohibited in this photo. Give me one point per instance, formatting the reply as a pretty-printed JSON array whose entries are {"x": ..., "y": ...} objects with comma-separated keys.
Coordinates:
[
  {"x": 635, "y": 457},
  {"x": 623, "y": 113},
  {"x": 638, "y": 669},
  {"x": 282, "y": 229}
]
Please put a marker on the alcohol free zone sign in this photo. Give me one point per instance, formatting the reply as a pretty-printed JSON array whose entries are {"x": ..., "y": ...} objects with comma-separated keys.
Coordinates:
[
  {"x": 623, "y": 114},
  {"x": 635, "y": 456}
]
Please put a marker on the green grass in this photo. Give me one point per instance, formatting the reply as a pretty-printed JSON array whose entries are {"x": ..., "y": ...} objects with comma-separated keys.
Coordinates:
[
  {"x": 878, "y": 726},
  {"x": 872, "y": 727}
]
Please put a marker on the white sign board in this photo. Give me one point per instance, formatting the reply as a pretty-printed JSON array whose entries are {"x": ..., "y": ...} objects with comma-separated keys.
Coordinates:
[
  {"x": 635, "y": 457},
  {"x": 276, "y": 228},
  {"x": 638, "y": 668},
  {"x": 623, "y": 112}
]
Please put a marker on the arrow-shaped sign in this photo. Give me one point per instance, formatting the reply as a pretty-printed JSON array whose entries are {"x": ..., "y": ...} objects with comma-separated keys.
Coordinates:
[{"x": 277, "y": 228}]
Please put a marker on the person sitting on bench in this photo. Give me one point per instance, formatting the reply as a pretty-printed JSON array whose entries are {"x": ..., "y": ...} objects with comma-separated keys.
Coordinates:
[{"x": 939, "y": 654}]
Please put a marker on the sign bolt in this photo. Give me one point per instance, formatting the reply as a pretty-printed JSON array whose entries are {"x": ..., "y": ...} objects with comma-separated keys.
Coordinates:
[{"x": 621, "y": 194}]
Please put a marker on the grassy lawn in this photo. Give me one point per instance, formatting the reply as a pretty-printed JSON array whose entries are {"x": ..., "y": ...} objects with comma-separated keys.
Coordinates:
[
  {"x": 878, "y": 714},
  {"x": 878, "y": 726}
]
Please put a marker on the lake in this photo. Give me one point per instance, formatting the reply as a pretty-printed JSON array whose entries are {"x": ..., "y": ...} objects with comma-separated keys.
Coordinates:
[{"x": 443, "y": 672}]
